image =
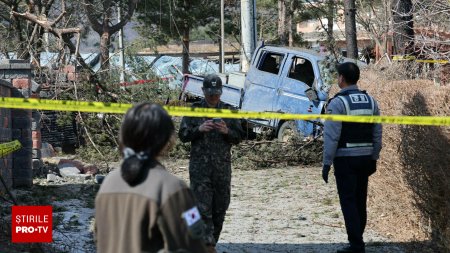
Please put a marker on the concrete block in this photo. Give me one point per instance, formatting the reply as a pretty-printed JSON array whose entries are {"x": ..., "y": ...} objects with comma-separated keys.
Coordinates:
[
  {"x": 10, "y": 61},
  {"x": 21, "y": 113},
  {"x": 5, "y": 65},
  {"x": 37, "y": 154},
  {"x": 37, "y": 164},
  {"x": 53, "y": 178},
  {"x": 22, "y": 182},
  {"x": 26, "y": 143},
  {"x": 35, "y": 126},
  {"x": 16, "y": 133},
  {"x": 5, "y": 133},
  {"x": 23, "y": 152},
  {"x": 21, "y": 65},
  {"x": 16, "y": 93},
  {"x": 80, "y": 177},
  {"x": 20, "y": 73},
  {"x": 21, "y": 122},
  {"x": 6, "y": 90},
  {"x": 35, "y": 87},
  {"x": 22, "y": 173},
  {"x": 26, "y": 133},
  {"x": 36, "y": 115},
  {"x": 7, "y": 122},
  {"x": 23, "y": 163},
  {"x": 26, "y": 93},
  {"x": 68, "y": 171}
]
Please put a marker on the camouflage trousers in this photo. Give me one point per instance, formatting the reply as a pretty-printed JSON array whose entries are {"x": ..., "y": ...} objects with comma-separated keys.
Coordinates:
[{"x": 211, "y": 184}]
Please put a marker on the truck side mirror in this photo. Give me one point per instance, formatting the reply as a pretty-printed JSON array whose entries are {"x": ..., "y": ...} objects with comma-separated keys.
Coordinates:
[{"x": 311, "y": 94}]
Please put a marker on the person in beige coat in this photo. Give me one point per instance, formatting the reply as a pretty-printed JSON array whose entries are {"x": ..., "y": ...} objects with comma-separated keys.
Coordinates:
[{"x": 142, "y": 207}]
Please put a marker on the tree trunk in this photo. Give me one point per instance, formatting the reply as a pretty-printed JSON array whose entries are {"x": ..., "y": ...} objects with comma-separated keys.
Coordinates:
[
  {"x": 330, "y": 26},
  {"x": 105, "y": 40},
  {"x": 403, "y": 24},
  {"x": 350, "y": 28},
  {"x": 186, "y": 48},
  {"x": 289, "y": 26},
  {"x": 282, "y": 22}
]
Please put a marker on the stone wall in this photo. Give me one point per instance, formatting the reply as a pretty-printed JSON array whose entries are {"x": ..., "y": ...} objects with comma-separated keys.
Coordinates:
[
  {"x": 19, "y": 124},
  {"x": 6, "y": 162}
]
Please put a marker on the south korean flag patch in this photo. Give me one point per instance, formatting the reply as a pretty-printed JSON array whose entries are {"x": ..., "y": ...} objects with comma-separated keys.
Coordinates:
[
  {"x": 191, "y": 216},
  {"x": 194, "y": 222}
]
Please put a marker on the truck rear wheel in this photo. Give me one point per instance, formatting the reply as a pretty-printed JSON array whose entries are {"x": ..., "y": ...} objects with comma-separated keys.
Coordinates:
[{"x": 287, "y": 131}]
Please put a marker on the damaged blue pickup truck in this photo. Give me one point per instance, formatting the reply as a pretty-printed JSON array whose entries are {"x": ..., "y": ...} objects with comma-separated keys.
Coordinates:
[{"x": 284, "y": 80}]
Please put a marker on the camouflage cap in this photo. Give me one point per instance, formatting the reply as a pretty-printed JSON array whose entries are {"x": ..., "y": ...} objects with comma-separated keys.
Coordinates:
[{"x": 212, "y": 85}]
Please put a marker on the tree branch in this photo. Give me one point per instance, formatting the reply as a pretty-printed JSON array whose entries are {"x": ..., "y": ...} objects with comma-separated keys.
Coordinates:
[
  {"x": 89, "y": 7},
  {"x": 131, "y": 7}
]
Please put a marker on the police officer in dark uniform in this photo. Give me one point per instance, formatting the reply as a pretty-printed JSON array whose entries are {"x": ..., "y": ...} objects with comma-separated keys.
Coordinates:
[
  {"x": 353, "y": 149},
  {"x": 210, "y": 158}
]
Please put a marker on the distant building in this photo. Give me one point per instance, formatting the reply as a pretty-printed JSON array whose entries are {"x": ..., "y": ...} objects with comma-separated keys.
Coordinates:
[{"x": 316, "y": 36}]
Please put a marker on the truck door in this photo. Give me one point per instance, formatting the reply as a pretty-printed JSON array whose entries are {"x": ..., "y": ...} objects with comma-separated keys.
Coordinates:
[
  {"x": 262, "y": 82},
  {"x": 291, "y": 96}
]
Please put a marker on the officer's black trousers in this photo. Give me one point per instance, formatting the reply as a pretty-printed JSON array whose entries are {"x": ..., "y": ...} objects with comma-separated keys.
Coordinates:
[{"x": 352, "y": 175}]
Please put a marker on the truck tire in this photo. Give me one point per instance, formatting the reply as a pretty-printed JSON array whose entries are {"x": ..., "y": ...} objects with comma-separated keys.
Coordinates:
[{"x": 286, "y": 131}]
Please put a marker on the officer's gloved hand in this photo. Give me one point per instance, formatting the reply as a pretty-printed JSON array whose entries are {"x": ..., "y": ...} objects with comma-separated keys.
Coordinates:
[{"x": 325, "y": 171}]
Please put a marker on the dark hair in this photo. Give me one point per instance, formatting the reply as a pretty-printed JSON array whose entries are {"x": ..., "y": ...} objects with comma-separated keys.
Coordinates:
[
  {"x": 146, "y": 129},
  {"x": 350, "y": 72}
]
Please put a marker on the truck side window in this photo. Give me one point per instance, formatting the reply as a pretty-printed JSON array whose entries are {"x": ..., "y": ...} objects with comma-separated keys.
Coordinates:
[
  {"x": 302, "y": 70},
  {"x": 271, "y": 63}
]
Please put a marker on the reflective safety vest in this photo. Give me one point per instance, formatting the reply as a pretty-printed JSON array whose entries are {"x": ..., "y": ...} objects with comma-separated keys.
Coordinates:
[{"x": 354, "y": 135}]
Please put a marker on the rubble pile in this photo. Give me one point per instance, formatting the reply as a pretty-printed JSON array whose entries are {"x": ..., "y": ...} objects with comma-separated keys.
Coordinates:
[{"x": 268, "y": 153}]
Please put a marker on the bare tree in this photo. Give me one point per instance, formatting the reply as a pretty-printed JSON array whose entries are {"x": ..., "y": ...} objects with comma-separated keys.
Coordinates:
[
  {"x": 49, "y": 26},
  {"x": 374, "y": 17},
  {"x": 327, "y": 9},
  {"x": 101, "y": 16}
]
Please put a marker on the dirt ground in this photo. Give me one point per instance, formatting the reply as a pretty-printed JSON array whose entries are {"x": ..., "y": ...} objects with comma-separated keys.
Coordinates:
[
  {"x": 287, "y": 209},
  {"x": 277, "y": 209}
]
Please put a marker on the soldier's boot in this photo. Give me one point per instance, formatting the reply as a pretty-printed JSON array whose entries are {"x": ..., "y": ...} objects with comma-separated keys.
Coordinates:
[{"x": 211, "y": 249}]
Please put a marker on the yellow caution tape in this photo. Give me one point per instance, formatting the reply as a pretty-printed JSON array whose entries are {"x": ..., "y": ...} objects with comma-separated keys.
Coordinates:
[
  {"x": 63, "y": 105},
  {"x": 99, "y": 107},
  {"x": 411, "y": 58},
  {"x": 9, "y": 147},
  {"x": 433, "y": 61},
  {"x": 403, "y": 57}
]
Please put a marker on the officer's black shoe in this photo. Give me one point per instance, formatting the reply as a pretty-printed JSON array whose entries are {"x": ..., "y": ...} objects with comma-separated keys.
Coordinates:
[{"x": 349, "y": 249}]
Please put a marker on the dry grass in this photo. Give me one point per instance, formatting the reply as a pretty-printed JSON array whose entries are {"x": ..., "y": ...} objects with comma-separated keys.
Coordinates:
[{"x": 409, "y": 195}]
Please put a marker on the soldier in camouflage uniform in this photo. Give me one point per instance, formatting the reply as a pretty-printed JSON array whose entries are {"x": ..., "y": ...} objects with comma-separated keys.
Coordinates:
[{"x": 210, "y": 158}]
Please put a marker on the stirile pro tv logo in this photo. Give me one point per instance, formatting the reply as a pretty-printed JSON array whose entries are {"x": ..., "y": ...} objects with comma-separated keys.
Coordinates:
[{"x": 31, "y": 224}]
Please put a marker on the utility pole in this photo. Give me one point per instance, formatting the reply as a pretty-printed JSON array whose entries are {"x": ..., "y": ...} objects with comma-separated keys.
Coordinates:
[
  {"x": 222, "y": 36},
  {"x": 248, "y": 32},
  {"x": 121, "y": 54}
]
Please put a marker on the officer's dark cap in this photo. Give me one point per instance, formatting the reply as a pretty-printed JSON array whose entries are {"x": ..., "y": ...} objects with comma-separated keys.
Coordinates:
[{"x": 212, "y": 85}]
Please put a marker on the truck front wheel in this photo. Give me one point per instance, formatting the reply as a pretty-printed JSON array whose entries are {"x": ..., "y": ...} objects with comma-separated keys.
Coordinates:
[{"x": 287, "y": 131}]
